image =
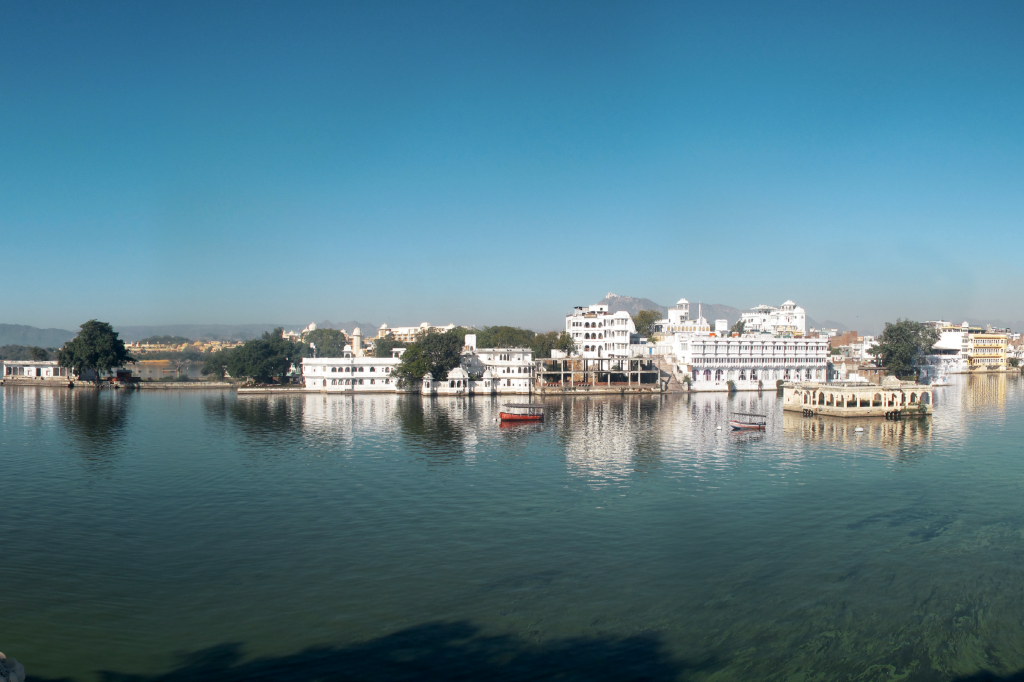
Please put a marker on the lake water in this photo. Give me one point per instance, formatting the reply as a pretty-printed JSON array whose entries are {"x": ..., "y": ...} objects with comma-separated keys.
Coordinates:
[{"x": 207, "y": 536}]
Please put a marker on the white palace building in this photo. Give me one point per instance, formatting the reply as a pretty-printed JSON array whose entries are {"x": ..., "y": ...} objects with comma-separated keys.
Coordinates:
[
  {"x": 771, "y": 349},
  {"x": 599, "y": 333}
]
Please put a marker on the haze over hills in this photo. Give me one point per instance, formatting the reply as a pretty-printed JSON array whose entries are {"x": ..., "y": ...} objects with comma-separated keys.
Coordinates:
[
  {"x": 711, "y": 311},
  {"x": 24, "y": 335}
]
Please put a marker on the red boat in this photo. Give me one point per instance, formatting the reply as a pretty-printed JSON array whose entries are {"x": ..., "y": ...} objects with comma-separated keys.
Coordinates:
[{"x": 522, "y": 412}]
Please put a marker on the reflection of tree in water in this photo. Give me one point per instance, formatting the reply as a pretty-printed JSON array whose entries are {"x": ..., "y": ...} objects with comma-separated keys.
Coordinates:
[
  {"x": 262, "y": 417},
  {"x": 436, "y": 427},
  {"x": 441, "y": 651},
  {"x": 97, "y": 418}
]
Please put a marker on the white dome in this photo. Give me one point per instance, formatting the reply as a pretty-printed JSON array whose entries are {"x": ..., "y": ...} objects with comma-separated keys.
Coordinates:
[
  {"x": 682, "y": 301},
  {"x": 458, "y": 373},
  {"x": 356, "y": 332},
  {"x": 384, "y": 326},
  {"x": 423, "y": 325},
  {"x": 487, "y": 374},
  {"x": 789, "y": 303}
]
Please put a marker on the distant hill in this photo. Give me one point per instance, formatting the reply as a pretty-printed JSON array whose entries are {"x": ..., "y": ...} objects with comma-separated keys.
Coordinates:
[
  {"x": 827, "y": 324},
  {"x": 367, "y": 328},
  {"x": 24, "y": 335},
  {"x": 632, "y": 305}
]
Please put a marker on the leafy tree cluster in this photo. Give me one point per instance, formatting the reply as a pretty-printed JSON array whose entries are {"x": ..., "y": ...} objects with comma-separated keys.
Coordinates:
[
  {"x": 644, "y": 321},
  {"x": 382, "y": 347},
  {"x": 96, "y": 347},
  {"x": 26, "y": 353},
  {"x": 514, "y": 337},
  {"x": 437, "y": 353},
  {"x": 261, "y": 359},
  {"x": 330, "y": 343},
  {"x": 903, "y": 345},
  {"x": 738, "y": 327},
  {"x": 166, "y": 340}
]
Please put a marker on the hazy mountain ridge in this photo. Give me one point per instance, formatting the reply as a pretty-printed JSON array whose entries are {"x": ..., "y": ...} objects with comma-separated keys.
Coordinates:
[
  {"x": 633, "y": 305},
  {"x": 25, "y": 335},
  {"x": 710, "y": 311}
]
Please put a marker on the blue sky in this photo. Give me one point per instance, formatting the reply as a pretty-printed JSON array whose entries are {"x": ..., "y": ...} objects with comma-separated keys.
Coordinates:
[{"x": 498, "y": 163}]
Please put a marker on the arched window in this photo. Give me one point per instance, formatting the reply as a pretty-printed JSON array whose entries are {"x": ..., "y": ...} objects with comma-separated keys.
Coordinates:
[
  {"x": 373, "y": 369},
  {"x": 334, "y": 369},
  {"x": 718, "y": 375},
  {"x": 707, "y": 375},
  {"x": 913, "y": 398}
]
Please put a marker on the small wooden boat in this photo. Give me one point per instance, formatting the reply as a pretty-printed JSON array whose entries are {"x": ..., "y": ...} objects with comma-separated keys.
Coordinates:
[
  {"x": 522, "y": 412},
  {"x": 754, "y": 422}
]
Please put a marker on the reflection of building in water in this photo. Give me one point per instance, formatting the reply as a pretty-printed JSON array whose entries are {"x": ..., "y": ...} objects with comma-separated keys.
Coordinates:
[
  {"x": 874, "y": 431},
  {"x": 609, "y": 438}
]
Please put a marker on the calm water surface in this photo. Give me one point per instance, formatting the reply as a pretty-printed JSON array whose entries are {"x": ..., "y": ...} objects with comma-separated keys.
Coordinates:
[{"x": 207, "y": 536}]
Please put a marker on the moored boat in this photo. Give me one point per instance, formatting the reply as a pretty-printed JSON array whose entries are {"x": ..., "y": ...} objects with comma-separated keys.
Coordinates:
[
  {"x": 522, "y": 412},
  {"x": 755, "y": 422}
]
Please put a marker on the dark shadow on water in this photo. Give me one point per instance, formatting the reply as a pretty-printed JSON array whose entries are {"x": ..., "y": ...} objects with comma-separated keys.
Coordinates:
[
  {"x": 437, "y": 651},
  {"x": 428, "y": 426},
  {"x": 97, "y": 421},
  {"x": 264, "y": 417}
]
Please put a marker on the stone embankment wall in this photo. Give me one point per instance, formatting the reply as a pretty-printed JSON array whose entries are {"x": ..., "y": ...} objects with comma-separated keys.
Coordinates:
[{"x": 11, "y": 670}]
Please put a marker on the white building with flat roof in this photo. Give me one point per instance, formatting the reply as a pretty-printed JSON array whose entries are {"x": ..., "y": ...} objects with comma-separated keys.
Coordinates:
[
  {"x": 351, "y": 374},
  {"x": 750, "y": 361},
  {"x": 34, "y": 370},
  {"x": 599, "y": 333},
  {"x": 788, "y": 319},
  {"x": 511, "y": 370}
]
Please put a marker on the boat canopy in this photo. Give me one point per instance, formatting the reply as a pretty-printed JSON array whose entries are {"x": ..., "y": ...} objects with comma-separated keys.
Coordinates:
[{"x": 526, "y": 406}]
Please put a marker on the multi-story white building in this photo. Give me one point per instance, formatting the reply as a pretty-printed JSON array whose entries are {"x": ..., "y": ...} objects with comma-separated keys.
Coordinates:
[
  {"x": 678, "y": 321},
  {"x": 511, "y": 369},
  {"x": 789, "y": 319},
  {"x": 599, "y": 333},
  {"x": 351, "y": 374},
  {"x": 751, "y": 361}
]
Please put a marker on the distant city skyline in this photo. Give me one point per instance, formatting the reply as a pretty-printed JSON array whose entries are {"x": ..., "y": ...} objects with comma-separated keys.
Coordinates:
[{"x": 239, "y": 163}]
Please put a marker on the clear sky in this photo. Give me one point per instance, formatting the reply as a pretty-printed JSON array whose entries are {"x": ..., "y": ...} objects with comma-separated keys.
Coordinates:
[{"x": 498, "y": 163}]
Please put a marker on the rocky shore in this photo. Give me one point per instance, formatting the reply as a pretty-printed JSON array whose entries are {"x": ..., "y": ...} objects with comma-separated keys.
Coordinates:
[{"x": 11, "y": 670}]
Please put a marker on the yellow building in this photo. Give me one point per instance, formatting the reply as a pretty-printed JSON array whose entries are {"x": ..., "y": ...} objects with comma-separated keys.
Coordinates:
[{"x": 986, "y": 352}]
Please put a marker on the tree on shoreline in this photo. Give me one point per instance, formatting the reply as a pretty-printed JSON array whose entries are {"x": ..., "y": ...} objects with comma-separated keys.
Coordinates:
[
  {"x": 903, "y": 345},
  {"x": 431, "y": 352},
  {"x": 96, "y": 347}
]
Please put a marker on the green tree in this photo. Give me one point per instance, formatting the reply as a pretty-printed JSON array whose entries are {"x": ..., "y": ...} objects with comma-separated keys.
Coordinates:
[
  {"x": 38, "y": 353},
  {"x": 216, "y": 363},
  {"x": 543, "y": 344},
  {"x": 265, "y": 358},
  {"x": 330, "y": 343},
  {"x": 1014, "y": 362},
  {"x": 504, "y": 337},
  {"x": 903, "y": 345},
  {"x": 644, "y": 321},
  {"x": 434, "y": 353},
  {"x": 738, "y": 327},
  {"x": 97, "y": 347},
  {"x": 382, "y": 347}
]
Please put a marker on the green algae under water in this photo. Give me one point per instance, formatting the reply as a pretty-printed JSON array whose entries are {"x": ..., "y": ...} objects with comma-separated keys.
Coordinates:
[{"x": 205, "y": 536}]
